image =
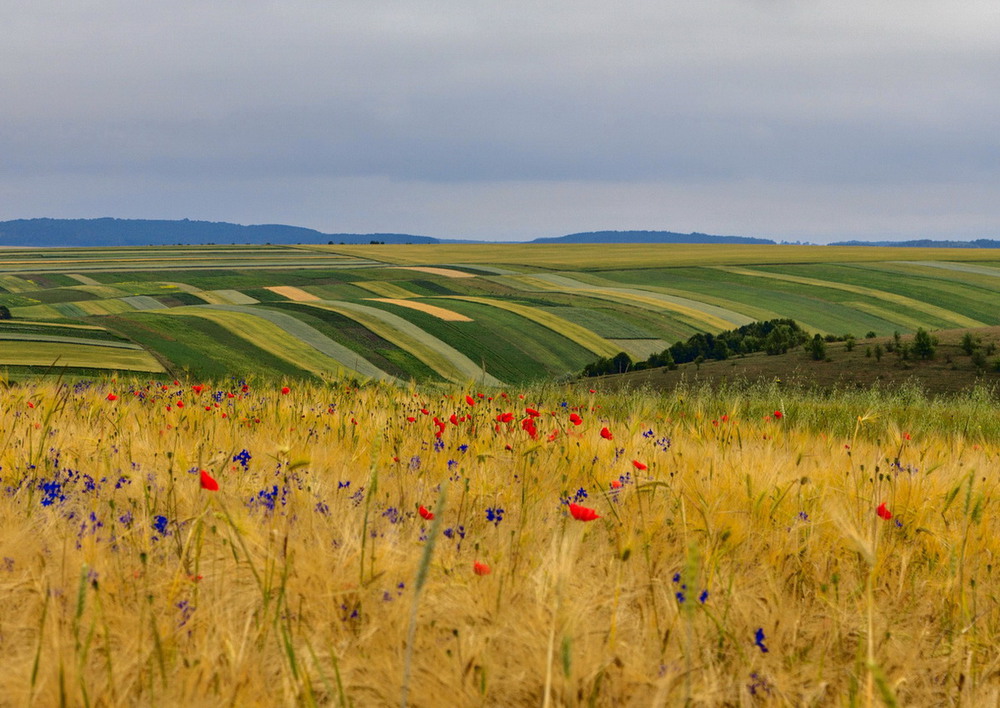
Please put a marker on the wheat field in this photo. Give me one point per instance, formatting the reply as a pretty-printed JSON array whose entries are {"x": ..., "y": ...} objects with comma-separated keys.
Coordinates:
[{"x": 552, "y": 546}]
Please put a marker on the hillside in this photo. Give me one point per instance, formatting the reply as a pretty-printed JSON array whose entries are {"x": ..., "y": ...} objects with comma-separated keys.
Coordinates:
[
  {"x": 150, "y": 232},
  {"x": 951, "y": 370},
  {"x": 509, "y": 314},
  {"x": 650, "y": 237}
]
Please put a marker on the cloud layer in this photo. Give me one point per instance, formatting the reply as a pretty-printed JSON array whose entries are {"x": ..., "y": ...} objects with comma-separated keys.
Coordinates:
[{"x": 501, "y": 120}]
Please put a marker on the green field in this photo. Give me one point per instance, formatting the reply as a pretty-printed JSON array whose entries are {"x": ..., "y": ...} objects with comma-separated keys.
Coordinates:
[{"x": 537, "y": 311}]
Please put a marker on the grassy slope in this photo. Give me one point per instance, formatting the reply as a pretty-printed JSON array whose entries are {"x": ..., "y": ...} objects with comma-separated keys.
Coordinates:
[{"x": 950, "y": 371}]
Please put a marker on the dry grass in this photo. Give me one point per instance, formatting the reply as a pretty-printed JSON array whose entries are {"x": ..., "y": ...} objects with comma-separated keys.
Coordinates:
[{"x": 126, "y": 583}]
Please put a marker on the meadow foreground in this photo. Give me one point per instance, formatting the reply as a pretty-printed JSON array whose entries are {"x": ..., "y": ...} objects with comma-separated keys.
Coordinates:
[{"x": 178, "y": 544}]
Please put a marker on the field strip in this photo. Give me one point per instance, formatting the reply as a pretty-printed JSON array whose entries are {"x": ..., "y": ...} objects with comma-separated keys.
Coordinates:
[
  {"x": 445, "y": 272},
  {"x": 385, "y": 289},
  {"x": 442, "y": 358},
  {"x": 961, "y": 267},
  {"x": 955, "y": 318},
  {"x": 722, "y": 313},
  {"x": 104, "y": 307},
  {"x": 34, "y": 323},
  {"x": 59, "y": 354},
  {"x": 484, "y": 268},
  {"x": 640, "y": 349},
  {"x": 573, "y": 332},
  {"x": 292, "y": 293},
  {"x": 234, "y": 297},
  {"x": 69, "y": 309},
  {"x": 910, "y": 323},
  {"x": 86, "y": 280},
  {"x": 287, "y": 338},
  {"x": 18, "y": 337},
  {"x": 14, "y": 284},
  {"x": 711, "y": 315},
  {"x": 102, "y": 291},
  {"x": 143, "y": 302},
  {"x": 433, "y": 310},
  {"x": 32, "y": 311}
]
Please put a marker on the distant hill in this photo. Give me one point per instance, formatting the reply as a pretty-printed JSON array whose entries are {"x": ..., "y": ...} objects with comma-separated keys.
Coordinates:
[
  {"x": 925, "y": 243},
  {"x": 649, "y": 237},
  {"x": 149, "y": 232}
]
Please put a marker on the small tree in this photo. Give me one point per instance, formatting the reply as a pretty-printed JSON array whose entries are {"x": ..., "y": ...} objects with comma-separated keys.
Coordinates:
[
  {"x": 923, "y": 344},
  {"x": 969, "y": 343},
  {"x": 849, "y": 343},
  {"x": 817, "y": 348},
  {"x": 4, "y": 313},
  {"x": 878, "y": 352}
]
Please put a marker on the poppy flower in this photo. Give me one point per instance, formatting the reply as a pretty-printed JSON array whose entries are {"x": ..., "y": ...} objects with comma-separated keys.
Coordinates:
[
  {"x": 606, "y": 434},
  {"x": 207, "y": 482},
  {"x": 285, "y": 390},
  {"x": 883, "y": 512},
  {"x": 532, "y": 412},
  {"x": 470, "y": 400},
  {"x": 505, "y": 417},
  {"x": 616, "y": 484},
  {"x": 197, "y": 388},
  {"x": 428, "y": 515},
  {"x": 411, "y": 419},
  {"x": 638, "y": 465},
  {"x": 582, "y": 513},
  {"x": 575, "y": 419},
  {"x": 778, "y": 415},
  {"x": 112, "y": 397},
  {"x": 480, "y": 568}
]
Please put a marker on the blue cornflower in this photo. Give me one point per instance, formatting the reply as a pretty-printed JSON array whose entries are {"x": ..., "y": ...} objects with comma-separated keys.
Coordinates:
[
  {"x": 758, "y": 640},
  {"x": 703, "y": 596},
  {"x": 495, "y": 514},
  {"x": 243, "y": 458},
  {"x": 160, "y": 524}
]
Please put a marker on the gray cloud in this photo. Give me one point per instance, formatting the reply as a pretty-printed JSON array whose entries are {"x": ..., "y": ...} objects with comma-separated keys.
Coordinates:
[{"x": 213, "y": 110}]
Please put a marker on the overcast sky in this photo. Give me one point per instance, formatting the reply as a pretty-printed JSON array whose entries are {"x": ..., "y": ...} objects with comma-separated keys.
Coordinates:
[{"x": 508, "y": 119}]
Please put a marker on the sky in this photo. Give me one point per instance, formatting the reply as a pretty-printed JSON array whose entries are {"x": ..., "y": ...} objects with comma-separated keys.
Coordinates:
[{"x": 506, "y": 120}]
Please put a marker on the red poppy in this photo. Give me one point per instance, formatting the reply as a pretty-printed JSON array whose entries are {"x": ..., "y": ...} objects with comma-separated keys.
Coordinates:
[
  {"x": 779, "y": 415},
  {"x": 593, "y": 390},
  {"x": 425, "y": 411},
  {"x": 616, "y": 484},
  {"x": 582, "y": 513},
  {"x": 480, "y": 568},
  {"x": 180, "y": 404},
  {"x": 575, "y": 419},
  {"x": 470, "y": 400},
  {"x": 411, "y": 419},
  {"x": 207, "y": 482},
  {"x": 505, "y": 417},
  {"x": 883, "y": 512},
  {"x": 638, "y": 465},
  {"x": 606, "y": 434},
  {"x": 428, "y": 515},
  {"x": 30, "y": 404},
  {"x": 197, "y": 388},
  {"x": 285, "y": 390},
  {"x": 112, "y": 397},
  {"x": 532, "y": 412}
]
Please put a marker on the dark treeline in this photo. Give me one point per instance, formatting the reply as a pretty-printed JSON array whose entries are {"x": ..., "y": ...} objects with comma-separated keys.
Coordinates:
[{"x": 773, "y": 336}]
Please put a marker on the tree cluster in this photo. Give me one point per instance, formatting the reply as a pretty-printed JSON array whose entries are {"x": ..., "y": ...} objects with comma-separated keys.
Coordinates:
[{"x": 772, "y": 336}]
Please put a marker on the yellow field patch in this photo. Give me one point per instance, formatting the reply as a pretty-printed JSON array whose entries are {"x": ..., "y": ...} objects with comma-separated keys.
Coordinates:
[
  {"x": 292, "y": 293},
  {"x": 446, "y": 272},
  {"x": 439, "y": 312},
  {"x": 59, "y": 354}
]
